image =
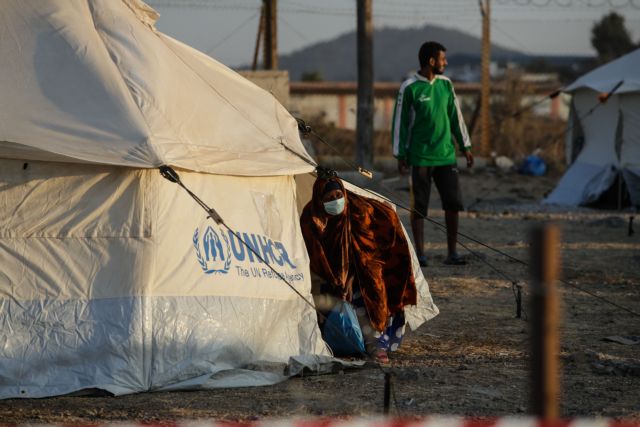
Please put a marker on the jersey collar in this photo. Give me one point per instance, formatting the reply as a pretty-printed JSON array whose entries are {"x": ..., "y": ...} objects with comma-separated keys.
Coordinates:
[{"x": 422, "y": 78}]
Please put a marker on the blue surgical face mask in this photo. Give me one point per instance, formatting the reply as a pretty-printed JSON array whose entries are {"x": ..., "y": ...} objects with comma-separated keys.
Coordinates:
[{"x": 334, "y": 207}]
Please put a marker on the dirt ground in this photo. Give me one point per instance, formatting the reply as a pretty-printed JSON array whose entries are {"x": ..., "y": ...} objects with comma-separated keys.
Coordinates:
[{"x": 472, "y": 359}]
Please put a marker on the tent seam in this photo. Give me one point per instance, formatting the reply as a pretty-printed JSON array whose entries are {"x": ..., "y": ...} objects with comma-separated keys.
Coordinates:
[{"x": 124, "y": 81}]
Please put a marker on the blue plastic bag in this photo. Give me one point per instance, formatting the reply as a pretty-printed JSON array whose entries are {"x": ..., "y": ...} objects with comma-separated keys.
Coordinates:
[
  {"x": 341, "y": 331},
  {"x": 533, "y": 165}
]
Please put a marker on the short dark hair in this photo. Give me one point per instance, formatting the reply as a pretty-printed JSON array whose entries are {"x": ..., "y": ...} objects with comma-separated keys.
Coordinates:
[{"x": 429, "y": 50}]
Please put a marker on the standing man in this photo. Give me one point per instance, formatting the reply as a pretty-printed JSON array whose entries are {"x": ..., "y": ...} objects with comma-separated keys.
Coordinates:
[{"x": 426, "y": 120}]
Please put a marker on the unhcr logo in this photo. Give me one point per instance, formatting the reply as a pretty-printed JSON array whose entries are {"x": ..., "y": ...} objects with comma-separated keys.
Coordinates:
[
  {"x": 215, "y": 254},
  {"x": 216, "y": 248}
]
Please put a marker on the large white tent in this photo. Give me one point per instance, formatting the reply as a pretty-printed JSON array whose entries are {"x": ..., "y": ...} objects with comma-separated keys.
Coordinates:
[
  {"x": 112, "y": 277},
  {"x": 603, "y": 141}
]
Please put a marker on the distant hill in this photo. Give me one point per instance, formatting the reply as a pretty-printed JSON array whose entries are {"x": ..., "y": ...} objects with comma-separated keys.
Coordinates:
[{"x": 395, "y": 53}]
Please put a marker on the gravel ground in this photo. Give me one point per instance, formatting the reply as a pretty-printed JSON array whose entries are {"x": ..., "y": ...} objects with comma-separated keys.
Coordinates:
[{"x": 473, "y": 358}]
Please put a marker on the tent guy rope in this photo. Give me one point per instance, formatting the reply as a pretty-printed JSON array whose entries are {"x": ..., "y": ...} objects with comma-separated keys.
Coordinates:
[
  {"x": 168, "y": 173},
  {"x": 171, "y": 175},
  {"x": 516, "y": 286}
]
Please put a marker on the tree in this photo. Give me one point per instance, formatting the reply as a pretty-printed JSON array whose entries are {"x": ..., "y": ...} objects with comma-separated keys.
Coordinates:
[
  {"x": 312, "y": 76},
  {"x": 610, "y": 37}
]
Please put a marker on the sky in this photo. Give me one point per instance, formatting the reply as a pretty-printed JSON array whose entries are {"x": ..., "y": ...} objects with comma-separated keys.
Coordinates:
[{"x": 227, "y": 29}]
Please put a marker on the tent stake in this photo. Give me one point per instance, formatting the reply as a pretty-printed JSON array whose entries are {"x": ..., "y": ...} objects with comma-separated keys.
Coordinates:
[{"x": 387, "y": 393}]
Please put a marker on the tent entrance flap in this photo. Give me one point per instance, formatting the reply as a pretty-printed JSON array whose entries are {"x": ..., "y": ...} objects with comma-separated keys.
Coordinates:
[{"x": 615, "y": 197}]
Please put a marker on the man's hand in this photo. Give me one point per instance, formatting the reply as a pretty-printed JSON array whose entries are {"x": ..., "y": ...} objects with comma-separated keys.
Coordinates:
[
  {"x": 403, "y": 168},
  {"x": 469, "y": 157}
]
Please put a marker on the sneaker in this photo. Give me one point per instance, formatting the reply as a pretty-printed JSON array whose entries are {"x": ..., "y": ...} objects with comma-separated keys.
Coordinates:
[
  {"x": 455, "y": 259},
  {"x": 422, "y": 260}
]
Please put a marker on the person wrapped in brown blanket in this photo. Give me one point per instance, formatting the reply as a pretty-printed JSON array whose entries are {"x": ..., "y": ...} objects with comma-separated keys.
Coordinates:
[{"x": 357, "y": 246}]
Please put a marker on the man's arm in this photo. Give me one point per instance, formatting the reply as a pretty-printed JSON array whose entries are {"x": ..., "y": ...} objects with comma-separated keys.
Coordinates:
[
  {"x": 458, "y": 128},
  {"x": 400, "y": 127}
]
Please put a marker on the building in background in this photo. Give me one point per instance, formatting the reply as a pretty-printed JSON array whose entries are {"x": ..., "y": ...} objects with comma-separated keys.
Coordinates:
[{"x": 336, "y": 102}]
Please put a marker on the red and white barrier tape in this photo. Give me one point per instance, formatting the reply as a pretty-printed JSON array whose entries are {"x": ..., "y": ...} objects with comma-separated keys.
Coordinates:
[{"x": 392, "y": 422}]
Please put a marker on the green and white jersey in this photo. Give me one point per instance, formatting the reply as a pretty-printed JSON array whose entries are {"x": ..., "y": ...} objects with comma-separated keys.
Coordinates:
[{"x": 426, "y": 115}]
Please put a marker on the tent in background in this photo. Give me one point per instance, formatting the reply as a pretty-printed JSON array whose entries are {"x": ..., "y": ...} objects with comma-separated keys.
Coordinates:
[
  {"x": 603, "y": 145},
  {"x": 112, "y": 277}
]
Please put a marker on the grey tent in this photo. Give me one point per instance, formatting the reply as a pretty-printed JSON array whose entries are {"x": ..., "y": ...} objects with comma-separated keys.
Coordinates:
[{"x": 603, "y": 143}]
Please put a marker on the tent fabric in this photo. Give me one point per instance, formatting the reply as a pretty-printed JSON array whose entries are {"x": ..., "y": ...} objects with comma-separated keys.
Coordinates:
[
  {"x": 582, "y": 184},
  {"x": 93, "y": 81},
  {"x": 112, "y": 279},
  {"x": 609, "y": 134},
  {"x": 630, "y": 150},
  {"x": 605, "y": 78}
]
